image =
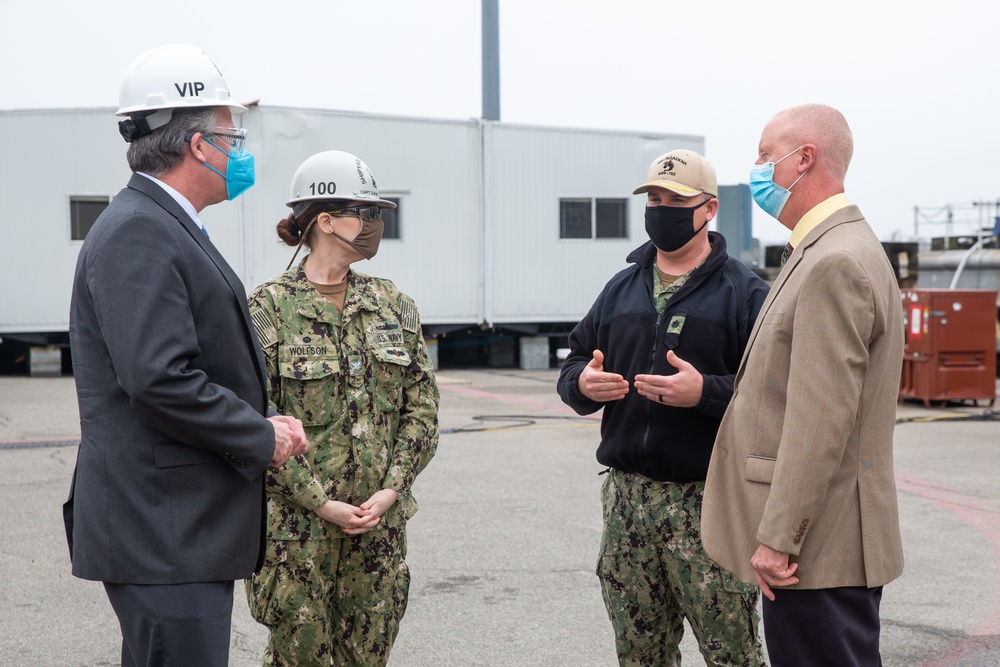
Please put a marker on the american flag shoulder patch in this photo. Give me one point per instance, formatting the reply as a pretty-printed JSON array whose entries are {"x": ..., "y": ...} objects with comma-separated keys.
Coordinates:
[
  {"x": 266, "y": 331},
  {"x": 408, "y": 317}
]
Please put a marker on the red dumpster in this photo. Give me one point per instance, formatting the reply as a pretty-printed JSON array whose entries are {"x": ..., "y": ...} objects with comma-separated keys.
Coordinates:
[{"x": 950, "y": 352}]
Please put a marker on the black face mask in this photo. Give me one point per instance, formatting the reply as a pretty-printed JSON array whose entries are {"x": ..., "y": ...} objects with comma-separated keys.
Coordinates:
[{"x": 671, "y": 227}]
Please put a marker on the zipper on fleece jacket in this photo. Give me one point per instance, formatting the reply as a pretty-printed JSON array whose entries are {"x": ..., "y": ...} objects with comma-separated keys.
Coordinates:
[{"x": 649, "y": 408}]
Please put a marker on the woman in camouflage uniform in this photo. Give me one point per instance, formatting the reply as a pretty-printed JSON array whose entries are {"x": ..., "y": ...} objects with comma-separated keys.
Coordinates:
[{"x": 345, "y": 355}]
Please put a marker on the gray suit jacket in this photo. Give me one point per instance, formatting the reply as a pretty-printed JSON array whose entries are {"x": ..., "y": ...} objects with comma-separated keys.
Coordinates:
[
  {"x": 803, "y": 458},
  {"x": 168, "y": 486}
]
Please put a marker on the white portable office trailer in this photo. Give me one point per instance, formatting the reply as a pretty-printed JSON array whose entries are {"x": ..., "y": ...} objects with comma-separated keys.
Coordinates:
[{"x": 498, "y": 225}]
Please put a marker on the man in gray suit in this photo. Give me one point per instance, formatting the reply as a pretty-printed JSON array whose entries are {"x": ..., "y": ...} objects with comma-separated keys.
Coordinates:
[
  {"x": 166, "y": 504},
  {"x": 800, "y": 497}
]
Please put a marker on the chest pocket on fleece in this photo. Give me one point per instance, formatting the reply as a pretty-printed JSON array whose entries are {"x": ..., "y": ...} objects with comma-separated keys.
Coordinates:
[{"x": 309, "y": 387}]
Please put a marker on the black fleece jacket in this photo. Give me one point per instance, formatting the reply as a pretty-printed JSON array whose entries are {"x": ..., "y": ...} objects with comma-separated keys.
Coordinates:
[{"x": 719, "y": 303}]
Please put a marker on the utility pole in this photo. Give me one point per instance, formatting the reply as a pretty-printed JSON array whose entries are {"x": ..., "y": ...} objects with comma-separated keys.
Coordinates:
[
  {"x": 491, "y": 60},
  {"x": 491, "y": 112}
]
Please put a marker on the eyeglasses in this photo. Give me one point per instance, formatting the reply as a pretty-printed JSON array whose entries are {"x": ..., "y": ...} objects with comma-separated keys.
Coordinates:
[
  {"x": 366, "y": 213},
  {"x": 236, "y": 137}
]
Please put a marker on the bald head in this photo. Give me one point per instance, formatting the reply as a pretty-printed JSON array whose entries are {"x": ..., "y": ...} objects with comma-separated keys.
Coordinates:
[{"x": 820, "y": 125}]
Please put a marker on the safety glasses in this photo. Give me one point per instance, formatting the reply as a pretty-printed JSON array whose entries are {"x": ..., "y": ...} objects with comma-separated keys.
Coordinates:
[
  {"x": 236, "y": 137},
  {"x": 366, "y": 213}
]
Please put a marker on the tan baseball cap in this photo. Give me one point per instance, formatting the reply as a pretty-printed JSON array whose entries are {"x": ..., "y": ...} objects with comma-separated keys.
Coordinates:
[{"x": 681, "y": 171}]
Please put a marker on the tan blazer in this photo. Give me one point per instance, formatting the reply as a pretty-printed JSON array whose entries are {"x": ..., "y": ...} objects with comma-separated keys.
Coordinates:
[{"x": 803, "y": 458}]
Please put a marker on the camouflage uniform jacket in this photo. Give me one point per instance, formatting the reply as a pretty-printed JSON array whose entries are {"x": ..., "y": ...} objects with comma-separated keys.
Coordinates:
[{"x": 362, "y": 384}]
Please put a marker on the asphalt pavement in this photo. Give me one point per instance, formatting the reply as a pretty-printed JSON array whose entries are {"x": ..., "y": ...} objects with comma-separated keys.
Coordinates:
[{"x": 503, "y": 550}]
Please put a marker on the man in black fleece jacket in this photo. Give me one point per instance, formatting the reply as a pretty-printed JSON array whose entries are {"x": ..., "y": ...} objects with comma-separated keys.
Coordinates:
[{"x": 659, "y": 351}]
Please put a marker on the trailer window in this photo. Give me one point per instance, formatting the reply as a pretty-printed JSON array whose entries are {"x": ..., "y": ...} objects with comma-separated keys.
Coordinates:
[
  {"x": 83, "y": 213},
  {"x": 612, "y": 219},
  {"x": 575, "y": 219},
  {"x": 587, "y": 218},
  {"x": 390, "y": 219}
]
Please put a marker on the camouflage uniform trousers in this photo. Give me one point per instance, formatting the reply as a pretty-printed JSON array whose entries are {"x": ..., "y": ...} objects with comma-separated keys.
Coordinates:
[
  {"x": 654, "y": 573},
  {"x": 332, "y": 602}
]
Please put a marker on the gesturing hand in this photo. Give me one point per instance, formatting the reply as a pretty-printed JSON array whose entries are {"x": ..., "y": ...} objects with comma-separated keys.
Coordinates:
[
  {"x": 682, "y": 389},
  {"x": 599, "y": 386}
]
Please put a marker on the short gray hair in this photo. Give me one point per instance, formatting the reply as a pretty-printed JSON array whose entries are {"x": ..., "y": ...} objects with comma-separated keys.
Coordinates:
[{"x": 158, "y": 153}]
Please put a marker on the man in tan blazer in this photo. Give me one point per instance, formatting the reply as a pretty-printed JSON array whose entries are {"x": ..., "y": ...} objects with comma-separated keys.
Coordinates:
[{"x": 800, "y": 496}]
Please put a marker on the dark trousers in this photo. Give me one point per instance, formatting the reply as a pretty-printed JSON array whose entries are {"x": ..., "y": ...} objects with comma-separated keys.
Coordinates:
[
  {"x": 177, "y": 624},
  {"x": 833, "y": 627}
]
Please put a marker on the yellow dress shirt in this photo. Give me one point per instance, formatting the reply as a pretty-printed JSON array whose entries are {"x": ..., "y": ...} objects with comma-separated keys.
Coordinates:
[{"x": 816, "y": 215}]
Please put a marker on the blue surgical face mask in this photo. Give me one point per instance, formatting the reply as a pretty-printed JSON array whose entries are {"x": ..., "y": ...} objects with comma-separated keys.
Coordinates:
[
  {"x": 240, "y": 174},
  {"x": 770, "y": 196}
]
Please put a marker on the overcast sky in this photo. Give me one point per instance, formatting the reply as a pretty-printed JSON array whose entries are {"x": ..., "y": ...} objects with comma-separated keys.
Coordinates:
[{"x": 918, "y": 81}]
